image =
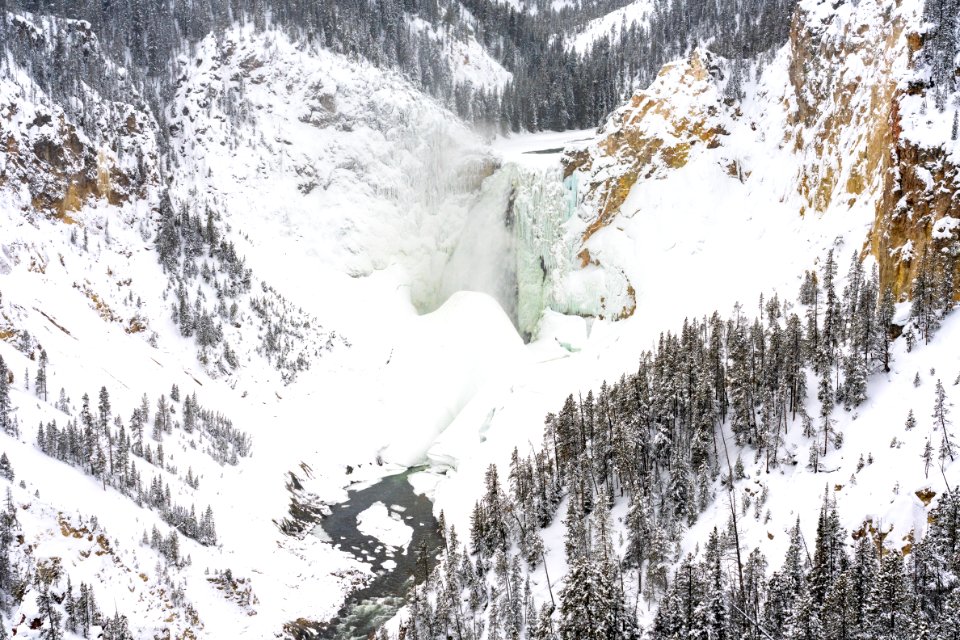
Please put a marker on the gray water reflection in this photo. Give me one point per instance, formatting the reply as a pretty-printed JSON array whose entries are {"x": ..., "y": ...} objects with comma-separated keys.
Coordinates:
[{"x": 376, "y": 603}]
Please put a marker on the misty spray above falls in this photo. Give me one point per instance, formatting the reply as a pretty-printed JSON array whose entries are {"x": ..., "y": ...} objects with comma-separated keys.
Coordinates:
[
  {"x": 514, "y": 246},
  {"x": 484, "y": 258},
  {"x": 522, "y": 242}
]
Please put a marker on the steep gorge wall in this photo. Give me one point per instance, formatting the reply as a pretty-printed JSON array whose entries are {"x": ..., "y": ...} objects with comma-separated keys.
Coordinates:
[
  {"x": 652, "y": 133},
  {"x": 55, "y": 156},
  {"x": 919, "y": 210},
  {"x": 658, "y": 131},
  {"x": 843, "y": 74},
  {"x": 857, "y": 135},
  {"x": 856, "y": 76},
  {"x": 918, "y": 213},
  {"x": 58, "y": 166}
]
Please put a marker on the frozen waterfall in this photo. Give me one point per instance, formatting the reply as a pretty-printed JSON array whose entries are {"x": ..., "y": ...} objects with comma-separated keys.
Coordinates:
[{"x": 516, "y": 245}]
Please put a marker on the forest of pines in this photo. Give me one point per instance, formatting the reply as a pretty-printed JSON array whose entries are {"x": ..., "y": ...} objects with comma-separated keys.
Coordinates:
[{"x": 658, "y": 439}]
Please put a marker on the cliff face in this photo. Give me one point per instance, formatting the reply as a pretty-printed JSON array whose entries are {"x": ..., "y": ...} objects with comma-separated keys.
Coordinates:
[
  {"x": 856, "y": 136},
  {"x": 51, "y": 157},
  {"x": 59, "y": 167},
  {"x": 655, "y": 132},
  {"x": 918, "y": 213},
  {"x": 659, "y": 131},
  {"x": 862, "y": 131},
  {"x": 919, "y": 209},
  {"x": 843, "y": 72}
]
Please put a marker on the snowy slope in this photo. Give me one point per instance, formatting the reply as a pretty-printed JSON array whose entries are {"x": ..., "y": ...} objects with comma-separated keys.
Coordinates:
[
  {"x": 610, "y": 25},
  {"x": 369, "y": 209},
  {"x": 322, "y": 181},
  {"x": 717, "y": 183},
  {"x": 877, "y": 477},
  {"x": 339, "y": 140},
  {"x": 469, "y": 60}
]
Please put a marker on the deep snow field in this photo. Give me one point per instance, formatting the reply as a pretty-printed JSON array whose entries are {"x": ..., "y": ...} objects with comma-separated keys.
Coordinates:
[
  {"x": 456, "y": 387},
  {"x": 352, "y": 215}
]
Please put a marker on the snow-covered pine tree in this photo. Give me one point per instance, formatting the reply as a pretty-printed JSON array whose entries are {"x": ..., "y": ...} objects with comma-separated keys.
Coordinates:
[
  {"x": 831, "y": 331},
  {"x": 836, "y": 614},
  {"x": 103, "y": 412},
  {"x": 924, "y": 299},
  {"x": 715, "y": 606},
  {"x": 829, "y": 555},
  {"x": 855, "y": 379},
  {"x": 6, "y": 409},
  {"x": 40, "y": 383},
  {"x": 927, "y": 457},
  {"x": 911, "y": 422},
  {"x": 885, "y": 313},
  {"x": 681, "y": 613},
  {"x": 941, "y": 421},
  {"x": 51, "y": 619},
  {"x": 887, "y": 612},
  {"x": 6, "y": 469}
]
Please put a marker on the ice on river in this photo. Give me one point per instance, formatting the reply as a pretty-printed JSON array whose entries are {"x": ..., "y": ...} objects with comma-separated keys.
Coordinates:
[{"x": 380, "y": 523}]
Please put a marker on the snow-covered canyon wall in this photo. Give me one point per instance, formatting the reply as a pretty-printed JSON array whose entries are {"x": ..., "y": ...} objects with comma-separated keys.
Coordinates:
[
  {"x": 844, "y": 124},
  {"x": 55, "y": 158},
  {"x": 870, "y": 125}
]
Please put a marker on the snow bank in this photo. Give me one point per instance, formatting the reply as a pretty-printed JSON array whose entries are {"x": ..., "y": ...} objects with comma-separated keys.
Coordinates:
[{"x": 441, "y": 364}]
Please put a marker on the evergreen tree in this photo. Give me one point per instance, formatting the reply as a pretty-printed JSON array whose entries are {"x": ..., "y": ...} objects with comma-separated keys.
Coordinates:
[
  {"x": 70, "y": 606},
  {"x": 804, "y": 623},
  {"x": 136, "y": 432},
  {"x": 544, "y": 629},
  {"x": 862, "y": 577},
  {"x": 838, "y": 614},
  {"x": 885, "y": 313},
  {"x": 715, "y": 608},
  {"x": 496, "y": 530},
  {"x": 6, "y": 409},
  {"x": 944, "y": 282},
  {"x": 103, "y": 415},
  {"x": 887, "y": 612},
  {"x": 911, "y": 422},
  {"x": 855, "y": 380},
  {"x": 831, "y": 330},
  {"x": 948, "y": 626},
  {"x": 208, "y": 531},
  {"x": 923, "y": 310},
  {"x": 638, "y": 530},
  {"x": 681, "y": 611},
  {"x": 786, "y": 587},
  {"x": 575, "y": 539},
  {"x": 50, "y": 616},
  {"x": 829, "y": 556},
  {"x": 6, "y": 470},
  {"x": 40, "y": 384},
  {"x": 117, "y": 628},
  {"x": 941, "y": 421},
  {"x": 826, "y": 396},
  {"x": 754, "y": 597}
]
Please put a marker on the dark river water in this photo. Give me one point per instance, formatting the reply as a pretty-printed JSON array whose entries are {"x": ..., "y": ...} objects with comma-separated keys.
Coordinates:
[{"x": 369, "y": 607}]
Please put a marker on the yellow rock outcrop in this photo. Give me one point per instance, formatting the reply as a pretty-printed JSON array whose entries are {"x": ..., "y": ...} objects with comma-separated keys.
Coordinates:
[
  {"x": 655, "y": 131},
  {"x": 848, "y": 79}
]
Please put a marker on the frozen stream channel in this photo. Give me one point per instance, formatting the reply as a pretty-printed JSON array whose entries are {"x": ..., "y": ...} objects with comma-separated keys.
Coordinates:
[{"x": 406, "y": 550}]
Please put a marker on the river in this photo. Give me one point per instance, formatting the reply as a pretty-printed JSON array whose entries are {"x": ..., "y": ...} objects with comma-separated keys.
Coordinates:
[{"x": 374, "y": 604}]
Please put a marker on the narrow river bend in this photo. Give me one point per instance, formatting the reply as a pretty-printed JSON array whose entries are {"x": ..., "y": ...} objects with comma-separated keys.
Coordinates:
[{"x": 395, "y": 571}]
